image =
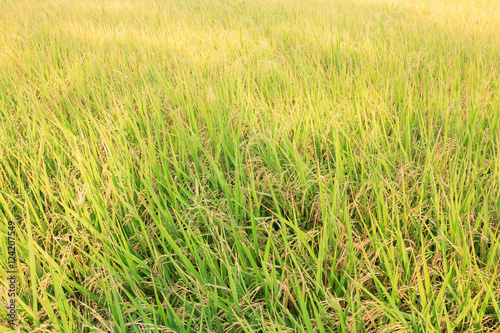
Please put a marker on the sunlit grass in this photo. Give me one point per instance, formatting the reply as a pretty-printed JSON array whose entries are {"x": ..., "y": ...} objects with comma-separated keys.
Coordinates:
[{"x": 252, "y": 166}]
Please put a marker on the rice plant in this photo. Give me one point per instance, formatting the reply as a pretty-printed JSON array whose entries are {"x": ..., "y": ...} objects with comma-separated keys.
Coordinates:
[{"x": 251, "y": 166}]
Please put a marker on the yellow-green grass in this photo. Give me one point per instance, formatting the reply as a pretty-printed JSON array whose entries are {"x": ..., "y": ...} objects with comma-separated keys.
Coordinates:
[{"x": 251, "y": 166}]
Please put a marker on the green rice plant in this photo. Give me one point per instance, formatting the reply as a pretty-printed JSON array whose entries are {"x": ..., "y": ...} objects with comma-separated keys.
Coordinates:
[{"x": 251, "y": 166}]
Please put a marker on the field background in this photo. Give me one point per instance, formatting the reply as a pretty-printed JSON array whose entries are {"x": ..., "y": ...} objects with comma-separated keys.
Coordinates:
[{"x": 252, "y": 166}]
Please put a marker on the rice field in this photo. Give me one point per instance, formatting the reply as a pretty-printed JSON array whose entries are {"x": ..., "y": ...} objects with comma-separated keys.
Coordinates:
[{"x": 250, "y": 165}]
